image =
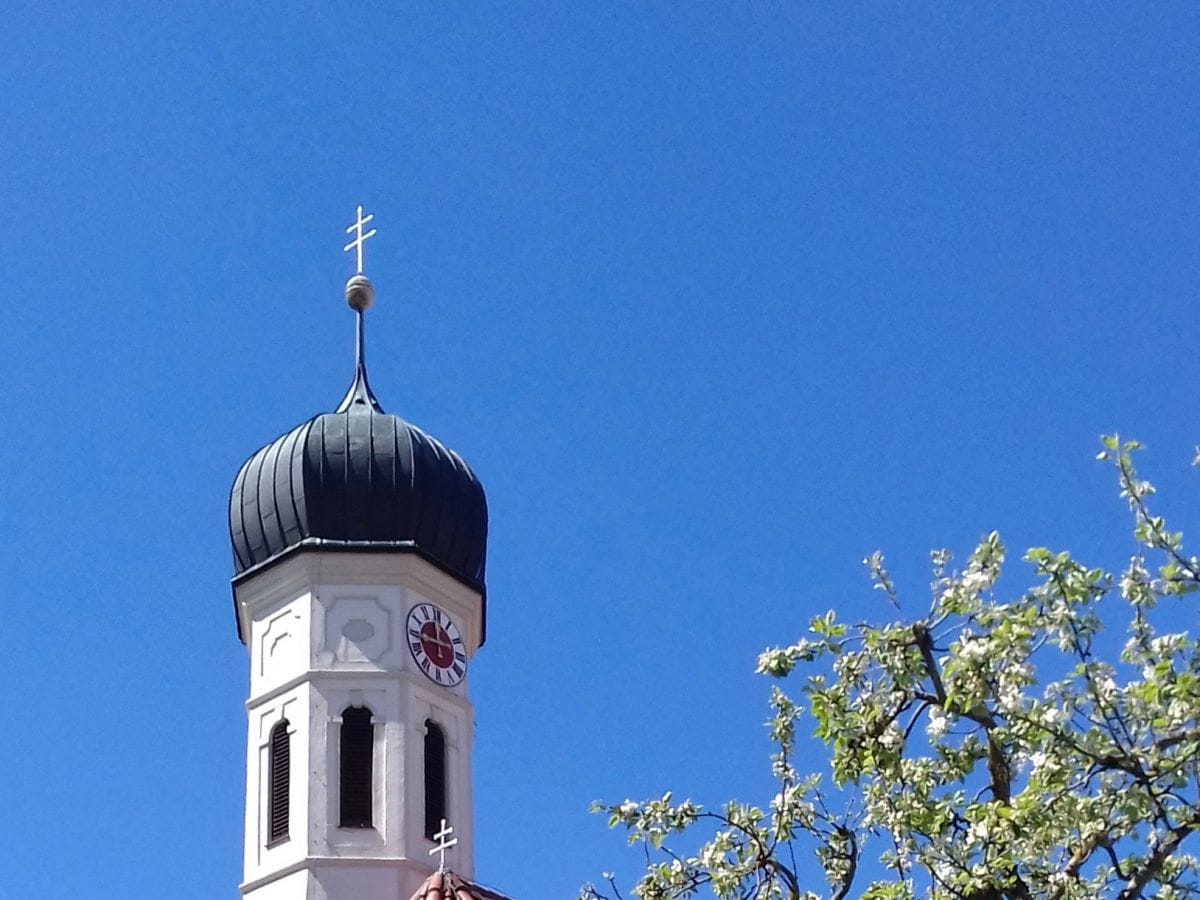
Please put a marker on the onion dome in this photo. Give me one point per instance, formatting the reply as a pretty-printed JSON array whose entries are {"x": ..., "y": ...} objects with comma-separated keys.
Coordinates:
[
  {"x": 359, "y": 479},
  {"x": 442, "y": 885}
]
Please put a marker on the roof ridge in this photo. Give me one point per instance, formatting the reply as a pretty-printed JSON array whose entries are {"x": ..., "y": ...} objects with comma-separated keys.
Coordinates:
[{"x": 449, "y": 885}]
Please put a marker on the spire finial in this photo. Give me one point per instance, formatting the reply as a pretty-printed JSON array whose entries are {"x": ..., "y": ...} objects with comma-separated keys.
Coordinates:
[
  {"x": 360, "y": 238},
  {"x": 359, "y": 294},
  {"x": 443, "y": 845},
  {"x": 359, "y": 290}
]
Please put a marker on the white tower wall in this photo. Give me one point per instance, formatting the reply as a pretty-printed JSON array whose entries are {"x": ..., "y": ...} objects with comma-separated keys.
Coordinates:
[{"x": 326, "y": 630}]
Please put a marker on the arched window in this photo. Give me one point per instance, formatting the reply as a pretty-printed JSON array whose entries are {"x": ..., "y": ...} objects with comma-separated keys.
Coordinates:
[
  {"x": 279, "y": 766},
  {"x": 435, "y": 778},
  {"x": 357, "y": 752}
]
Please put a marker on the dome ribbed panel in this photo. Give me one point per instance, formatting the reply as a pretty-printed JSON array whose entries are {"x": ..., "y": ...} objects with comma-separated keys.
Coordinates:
[
  {"x": 237, "y": 527},
  {"x": 473, "y": 522},
  {"x": 430, "y": 481},
  {"x": 266, "y": 505},
  {"x": 256, "y": 543},
  {"x": 358, "y": 486},
  {"x": 359, "y": 478},
  {"x": 442, "y": 526},
  {"x": 382, "y": 474},
  {"x": 268, "y": 499},
  {"x": 405, "y": 513},
  {"x": 289, "y": 485}
]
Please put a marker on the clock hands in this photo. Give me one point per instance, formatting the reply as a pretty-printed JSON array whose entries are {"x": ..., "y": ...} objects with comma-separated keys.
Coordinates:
[{"x": 436, "y": 637}]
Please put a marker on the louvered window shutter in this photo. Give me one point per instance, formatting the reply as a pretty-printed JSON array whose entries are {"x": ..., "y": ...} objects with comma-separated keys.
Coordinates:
[
  {"x": 435, "y": 778},
  {"x": 357, "y": 746},
  {"x": 279, "y": 765}
]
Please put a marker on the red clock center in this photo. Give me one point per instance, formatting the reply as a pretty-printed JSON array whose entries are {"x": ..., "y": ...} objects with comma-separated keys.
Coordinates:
[{"x": 435, "y": 641}]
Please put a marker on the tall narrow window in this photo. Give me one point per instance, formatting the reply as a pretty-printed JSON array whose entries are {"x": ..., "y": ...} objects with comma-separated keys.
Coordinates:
[
  {"x": 279, "y": 767},
  {"x": 357, "y": 746},
  {"x": 435, "y": 778}
]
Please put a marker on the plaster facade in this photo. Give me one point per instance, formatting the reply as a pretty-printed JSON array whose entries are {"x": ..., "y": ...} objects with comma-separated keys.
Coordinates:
[{"x": 325, "y": 630}]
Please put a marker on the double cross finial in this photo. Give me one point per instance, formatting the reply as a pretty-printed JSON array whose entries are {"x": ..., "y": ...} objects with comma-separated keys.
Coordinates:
[
  {"x": 360, "y": 238},
  {"x": 443, "y": 844}
]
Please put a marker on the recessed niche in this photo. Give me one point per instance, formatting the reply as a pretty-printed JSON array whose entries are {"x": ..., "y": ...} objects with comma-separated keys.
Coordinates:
[{"x": 357, "y": 629}]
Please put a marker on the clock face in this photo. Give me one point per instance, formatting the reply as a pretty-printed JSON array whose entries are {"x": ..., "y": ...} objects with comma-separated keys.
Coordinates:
[{"x": 436, "y": 644}]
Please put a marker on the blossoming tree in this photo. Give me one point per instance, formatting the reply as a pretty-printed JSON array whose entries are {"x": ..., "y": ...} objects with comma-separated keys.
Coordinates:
[{"x": 986, "y": 750}]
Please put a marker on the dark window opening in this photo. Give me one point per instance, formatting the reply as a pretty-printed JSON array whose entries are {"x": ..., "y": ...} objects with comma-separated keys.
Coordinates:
[
  {"x": 357, "y": 752},
  {"x": 279, "y": 766},
  {"x": 435, "y": 778}
]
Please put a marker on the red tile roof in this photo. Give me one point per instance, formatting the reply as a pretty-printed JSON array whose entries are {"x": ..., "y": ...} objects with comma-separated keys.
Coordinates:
[{"x": 449, "y": 886}]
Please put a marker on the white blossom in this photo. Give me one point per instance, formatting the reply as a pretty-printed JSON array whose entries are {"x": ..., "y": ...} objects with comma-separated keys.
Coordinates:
[{"x": 937, "y": 725}]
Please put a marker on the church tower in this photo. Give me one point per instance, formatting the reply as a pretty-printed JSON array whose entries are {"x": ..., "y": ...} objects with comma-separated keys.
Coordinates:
[{"x": 359, "y": 545}]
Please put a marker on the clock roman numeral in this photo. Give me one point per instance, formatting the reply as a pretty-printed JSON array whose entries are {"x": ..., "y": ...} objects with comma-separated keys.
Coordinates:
[{"x": 440, "y": 651}]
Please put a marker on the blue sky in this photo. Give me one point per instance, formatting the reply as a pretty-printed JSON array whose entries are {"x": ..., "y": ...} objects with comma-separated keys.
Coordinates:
[{"x": 715, "y": 299}]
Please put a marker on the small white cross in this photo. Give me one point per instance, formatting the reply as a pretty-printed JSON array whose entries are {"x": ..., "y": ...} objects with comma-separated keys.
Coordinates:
[
  {"x": 360, "y": 238},
  {"x": 443, "y": 845}
]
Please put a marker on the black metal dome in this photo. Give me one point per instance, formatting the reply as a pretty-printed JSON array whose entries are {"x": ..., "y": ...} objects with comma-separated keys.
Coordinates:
[{"x": 359, "y": 479}]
